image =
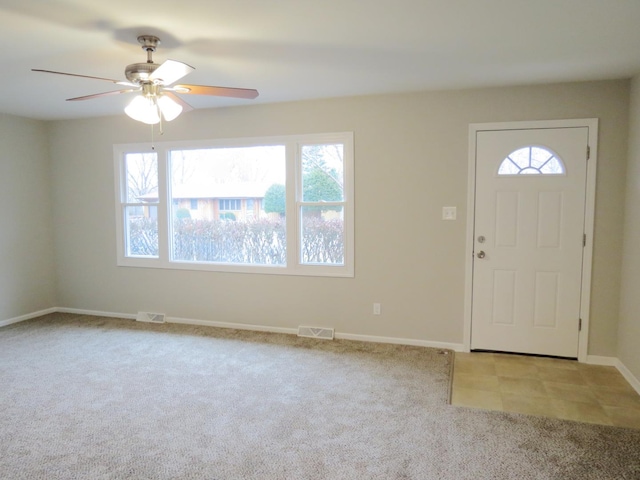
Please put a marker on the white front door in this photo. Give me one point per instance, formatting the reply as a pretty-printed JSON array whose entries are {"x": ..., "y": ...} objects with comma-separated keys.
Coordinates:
[{"x": 528, "y": 240}]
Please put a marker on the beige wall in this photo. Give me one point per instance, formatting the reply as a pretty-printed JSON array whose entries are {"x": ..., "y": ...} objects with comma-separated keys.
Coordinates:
[
  {"x": 629, "y": 329},
  {"x": 411, "y": 160},
  {"x": 27, "y": 279}
]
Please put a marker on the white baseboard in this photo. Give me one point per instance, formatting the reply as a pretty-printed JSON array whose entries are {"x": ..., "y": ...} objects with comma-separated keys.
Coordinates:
[
  {"x": 294, "y": 331},
  {"x": 236, "y": 326},
  {"x": 95, "y": 313},
  {"x": 457, "y": 347},
  {"x": 28, "y": 316},
  {"x": 265, "y": 328},
  {"x": 630, "y": 377}
]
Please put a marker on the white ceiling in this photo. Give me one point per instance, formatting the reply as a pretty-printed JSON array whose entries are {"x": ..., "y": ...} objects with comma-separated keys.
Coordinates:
[{"x": 303, "y": 49}]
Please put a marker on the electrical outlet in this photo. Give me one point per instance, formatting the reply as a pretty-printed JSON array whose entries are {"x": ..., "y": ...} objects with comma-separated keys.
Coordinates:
[{"x": 376, "y": 309}]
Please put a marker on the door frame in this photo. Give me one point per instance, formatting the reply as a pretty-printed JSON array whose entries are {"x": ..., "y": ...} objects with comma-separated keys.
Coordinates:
[{"x": 589, "y": 215}]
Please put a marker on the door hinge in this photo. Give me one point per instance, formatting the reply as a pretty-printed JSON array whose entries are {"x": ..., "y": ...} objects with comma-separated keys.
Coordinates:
[
  {"x": 579, "y": 324},
  {"x": 588, "y": 152},
  {"x": 584, "y": 240}
]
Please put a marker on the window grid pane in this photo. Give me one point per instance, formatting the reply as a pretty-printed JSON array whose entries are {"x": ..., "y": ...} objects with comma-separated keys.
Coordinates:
[
  {"x": 142, "y": 231},
  {"x": 141, "y": 177},
  {"x": 322, "y": 173},
  {"x": 322, "y": 232}
]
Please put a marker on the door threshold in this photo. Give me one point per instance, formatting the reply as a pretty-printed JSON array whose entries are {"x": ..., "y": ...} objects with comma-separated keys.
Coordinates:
[{"x": 480, "y": 350}]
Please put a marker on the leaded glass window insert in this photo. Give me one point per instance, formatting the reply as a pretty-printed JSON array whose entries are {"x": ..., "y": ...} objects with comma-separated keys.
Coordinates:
[{"x": 531, "y": 161}]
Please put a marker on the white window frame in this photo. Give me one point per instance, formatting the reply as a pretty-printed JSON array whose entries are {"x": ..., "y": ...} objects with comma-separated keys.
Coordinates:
[{"x": 293, "y": 147}]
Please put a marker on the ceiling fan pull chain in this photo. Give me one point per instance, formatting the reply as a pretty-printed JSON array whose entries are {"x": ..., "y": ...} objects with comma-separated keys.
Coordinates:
[
  {"x": 153, "y": 147},
  {"x": 155, "y": 101}
]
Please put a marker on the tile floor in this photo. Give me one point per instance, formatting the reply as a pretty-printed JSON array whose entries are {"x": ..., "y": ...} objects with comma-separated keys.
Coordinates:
[{"x": 545, "y": 386}]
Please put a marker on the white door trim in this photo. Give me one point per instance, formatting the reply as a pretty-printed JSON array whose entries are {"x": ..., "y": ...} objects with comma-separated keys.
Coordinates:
[{"x": 592, "y": 125}]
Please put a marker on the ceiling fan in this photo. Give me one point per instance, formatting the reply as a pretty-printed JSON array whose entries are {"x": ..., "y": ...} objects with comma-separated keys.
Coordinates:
[{"x": 157, "y": 99}]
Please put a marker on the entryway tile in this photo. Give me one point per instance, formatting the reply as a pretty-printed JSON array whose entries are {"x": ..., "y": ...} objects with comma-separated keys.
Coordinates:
[
  {"x": 522, "y": 386},
  {"x": 606, "y": 378},
  {"x": 516, "y": 369},
  {"x": 570, "y": 392},
  {"x": 545, "y": 386},
  {"x": 479, "y": 368},
  {"x": 561, "y": 375},
  {"x": 467, "y": 397},
  {"x": 617, "y": 397},
  {"x": 476, "y": 382}
]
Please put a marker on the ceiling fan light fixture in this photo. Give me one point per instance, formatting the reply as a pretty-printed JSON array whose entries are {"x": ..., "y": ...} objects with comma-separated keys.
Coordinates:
[
  {"x": 157, "y": 99},
  {"x": 143, "y": 109}
]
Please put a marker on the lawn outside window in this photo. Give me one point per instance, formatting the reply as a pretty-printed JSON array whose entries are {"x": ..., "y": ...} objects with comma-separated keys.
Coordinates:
[{"x": 276, "y": 205}]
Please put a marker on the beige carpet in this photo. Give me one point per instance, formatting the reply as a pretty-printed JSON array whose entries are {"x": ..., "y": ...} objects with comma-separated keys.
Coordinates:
[{"x": 94, "y": 398}]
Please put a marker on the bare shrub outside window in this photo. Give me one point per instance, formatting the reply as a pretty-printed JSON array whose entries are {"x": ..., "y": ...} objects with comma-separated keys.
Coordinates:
[{"x": 260, "y": 241}]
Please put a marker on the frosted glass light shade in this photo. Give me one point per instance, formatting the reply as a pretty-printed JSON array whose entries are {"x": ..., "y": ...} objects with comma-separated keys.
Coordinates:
[
  {"x": 143, "y": 109},
  {"x": 169, "y": 108}
]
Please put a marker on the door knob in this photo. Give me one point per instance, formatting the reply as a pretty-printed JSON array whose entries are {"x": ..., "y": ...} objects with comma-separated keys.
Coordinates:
[{"x": 481, "y": 254}]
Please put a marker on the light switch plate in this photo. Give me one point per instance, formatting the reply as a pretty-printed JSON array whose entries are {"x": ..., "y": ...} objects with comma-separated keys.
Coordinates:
[{"x": 449, "y": 213}]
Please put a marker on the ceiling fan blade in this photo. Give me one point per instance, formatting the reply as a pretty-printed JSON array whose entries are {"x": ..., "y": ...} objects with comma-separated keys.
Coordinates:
[
  {"x": 171, "y": 71},
  {"x": 117, "y": 82},
  {"x": 105, "y": 94},
  {"x": 185, "y": 106},
  {"x": 249, "y": 93}
]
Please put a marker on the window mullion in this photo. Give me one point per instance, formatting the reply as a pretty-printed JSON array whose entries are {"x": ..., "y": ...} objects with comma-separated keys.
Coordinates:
[
  {"x": 292, "y": 208},
  {"x": 163, "y": 201}
]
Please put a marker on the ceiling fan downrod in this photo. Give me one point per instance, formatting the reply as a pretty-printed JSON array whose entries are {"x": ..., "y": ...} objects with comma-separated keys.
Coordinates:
[{"x": 149, "y": 44}]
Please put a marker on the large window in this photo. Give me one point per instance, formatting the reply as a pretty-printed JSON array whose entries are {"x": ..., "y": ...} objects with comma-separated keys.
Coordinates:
[{"x": 279, "y": 205}]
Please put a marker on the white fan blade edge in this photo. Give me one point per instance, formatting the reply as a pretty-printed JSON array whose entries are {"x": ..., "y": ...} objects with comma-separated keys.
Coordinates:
[{"x": 171, "y": 71}]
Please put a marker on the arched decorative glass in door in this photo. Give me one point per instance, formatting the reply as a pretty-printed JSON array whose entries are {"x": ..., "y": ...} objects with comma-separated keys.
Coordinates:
[{"x": 531, "y": 160}]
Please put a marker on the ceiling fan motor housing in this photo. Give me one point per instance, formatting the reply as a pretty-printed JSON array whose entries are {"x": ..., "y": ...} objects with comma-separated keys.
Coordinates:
[{"x": 140, "y": 72}]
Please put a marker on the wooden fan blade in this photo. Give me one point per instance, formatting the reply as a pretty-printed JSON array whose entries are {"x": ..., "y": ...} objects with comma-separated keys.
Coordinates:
[
  {"x": 171, "y": 71},
  {"x": 249, "y": 93},
  {"x": 117, "y": 82},
  {"x": 185, "y": 106},
  {"x": 105, "y": 94}
]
